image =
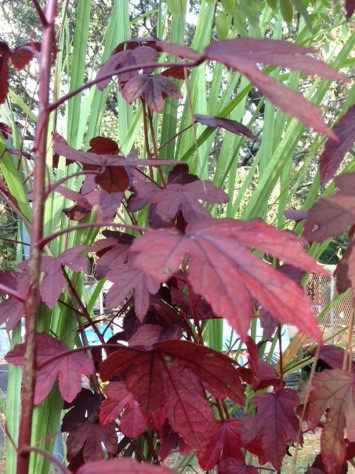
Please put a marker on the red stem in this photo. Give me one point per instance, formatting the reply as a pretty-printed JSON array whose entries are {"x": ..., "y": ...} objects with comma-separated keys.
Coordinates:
[{"x": 32, "y": 294}]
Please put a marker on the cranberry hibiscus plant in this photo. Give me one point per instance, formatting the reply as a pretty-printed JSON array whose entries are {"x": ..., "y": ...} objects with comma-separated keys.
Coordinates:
[{"x": 155, "y": 387}]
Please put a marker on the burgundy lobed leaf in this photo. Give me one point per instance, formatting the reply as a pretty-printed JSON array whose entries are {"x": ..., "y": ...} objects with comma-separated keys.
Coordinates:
[
  {"x": 101, "y": 160},
  {"x": 126, "y": 279},
  {"x": 121, "y": 466},
  {"x": 332, "y": 356},
  {"x": 227, "y": 124},
  {"x": 225, "y": 443},
  {"x": 53, "y": 281},
  {"x": 246, "y": 54},
  {"x": 235, "y": 466},
  {"x": 152, "y": 89},
  {"x": 295, "y": 214},
  {"x": 179, "y": 50},
  {"x": 5, "y": 130},
  {"x": 350, "y": 8},
  {"x": 333, "y": 393},
  {"x": 139, "y": 56},
  {"x": 12, "y": 308},
  {"x": 345, "y": 270},
  {"x": 335, "y": 150},
  {"x": 148, "y": 334},
  {"x": 186, "y": 198},
  {"x": 319, "y": 468},
  {"x": 68, "y": 368},
  {"x": 275, "y": 423},
  {"x": 171, "y": 378},
  {"x": 232, "y": 276},
  {"x": 84, "y": 406},
  {"x": 94, "y": 440},
  {"x": 5, "y": 54},
  {"x": 22, "y": 55},
  {"x": 118, "y": 400},
  {"x": 333, "y": 214}
]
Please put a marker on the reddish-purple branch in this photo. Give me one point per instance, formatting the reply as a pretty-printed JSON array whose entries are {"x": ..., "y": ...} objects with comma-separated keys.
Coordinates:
[{"x": 32, "y": 294}]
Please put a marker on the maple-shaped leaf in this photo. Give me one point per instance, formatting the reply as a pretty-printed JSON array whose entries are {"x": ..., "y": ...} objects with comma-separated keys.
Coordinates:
[
  {"x": 275, "y": 423},
  {"x": 130, "y": 57},
  {"x": 227, "y": 124},
  {"x": 67, "y": 368},
  {"x": 118, "y": 400},
  {"x": 12, "y": 308},
  {"x": 345, "y": 270},
  {"x": 332, "y": 356},
  {"x": 246, "y": 54},
  {"x": 122, "y": 466},
  {"x": 223, "y": 270},
  {"x": 319, "y": 468},
  {"x": 5, "y": 54},
  {"x": 101, "y": 160},
  {"x": 225, "y": 443},
  {"x": 235, "y": 466},
  {"x": 177, "y": 197},
  {"x": 93, "y": 439},
  {"x": 53, "y": 282},
  {"x": 152, "y": 89},
  {"x": 216, "y": 371},
  {"x": 171, "y": 377},
  {"x": 5, "y": 130},
  {"x": 126, "y": 279},
  {"x": 333, "y": 393},
  {"x": 335, "y": 150},
  {"x": 333, "y": 214},
  {"x": 85, "y": 405},
  {"x": 349, "y": 8},
  {"x": 22, "y": 55}
]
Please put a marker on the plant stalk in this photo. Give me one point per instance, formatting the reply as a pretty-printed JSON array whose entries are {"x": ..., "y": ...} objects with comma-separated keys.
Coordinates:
[{"x": 34, "y": 267}]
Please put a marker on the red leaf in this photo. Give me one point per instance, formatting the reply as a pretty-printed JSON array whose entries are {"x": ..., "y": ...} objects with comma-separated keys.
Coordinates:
[
  {"x": 118, "y": 400},
  {"x": 232, "y": 276},
  {"x": 332, "y": 214},
  {"x": 169, "y": 378},
  {"x": 5, "y": 53},
  {"x": 350, "y": 8},
  {"x": 152, "y": 89},
  {"x": 230, "y": 125},
  {"x": 246, "y": 54},
  {"x": 215, "y": 370},
  {"x": 333, "y": 356},
  {"x": 235, "y": 466},
  {"x": 5, "y": 130},
  {"x": 333, "y": 393},
  {"x": 126, "y": 278},
  {"x": 84, "y": 406},
  {"x": 275, "y": 423},
  {"x": 185, "y": 198},
  {"x": 68, "y": 368},
  {"x": 225, "y": 443},
  {"x": 100, "y": 160},
  {"x": 93, "y": 440},
  {"x": 103, "y": 145},
  {"x": 122, "y": 466},
  {"x": 22, "y": 55},
  {"x": 113, "y": 180},
  {"x": 345, "y": 271},
  {"x": 179, "y": 50},
  {"x": 12, "y": 309},
  {"x": 335, "y": 150},
  {"x": 130, "y": 57},
  {"x": 53, "y": 282}
]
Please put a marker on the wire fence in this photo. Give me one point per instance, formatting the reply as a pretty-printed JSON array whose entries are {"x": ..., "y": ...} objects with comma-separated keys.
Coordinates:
[{"x": 335, "y": 321}]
